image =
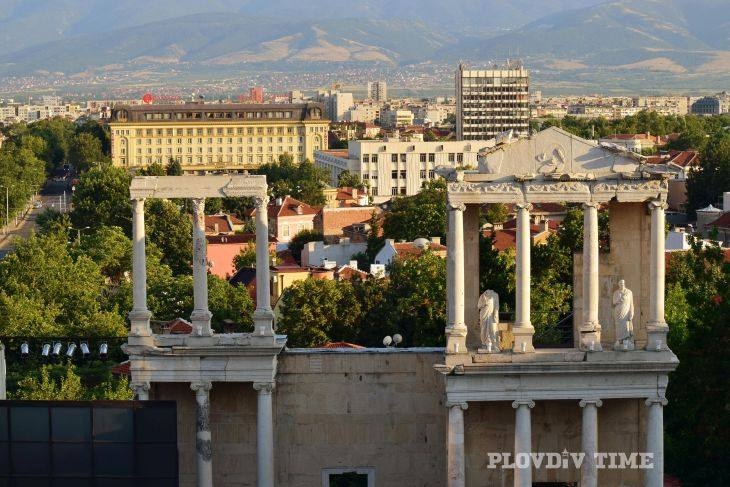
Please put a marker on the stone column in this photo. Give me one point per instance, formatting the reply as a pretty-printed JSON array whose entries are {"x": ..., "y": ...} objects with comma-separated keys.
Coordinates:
[
  {"x": 590, "y": 331},
  {"x": 654, "y": 477},
  {"x": 455, "y": 328},
  {"x": 589, "y": 471},
  {"x": 202, "y": 433},
  {"x": 263, "y": 316},
  {"x": 141, "y": 390},
  {"x": 456, "y": 455},
  {"x": 200, "y": 317},
  {"x": 265, "y": 434},
  {"x": 523, "y": 442},
  {"x": 523, "y": 329},
  {"x": 139, "y": 317},
  {"x": 656, "y": 326}
]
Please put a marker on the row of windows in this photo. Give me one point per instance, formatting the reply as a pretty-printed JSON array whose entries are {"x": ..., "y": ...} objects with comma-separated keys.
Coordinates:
[
  {"x": 401, "y": 174},
  {"x": 214, "y": 115},
  {"x": 259, "y": 159},
  {"x": 210, "y": 150},
  {"x": 220, "y": 131},
  {"x": 210, "y": 140},
  {"x": 295, "y": 228}
]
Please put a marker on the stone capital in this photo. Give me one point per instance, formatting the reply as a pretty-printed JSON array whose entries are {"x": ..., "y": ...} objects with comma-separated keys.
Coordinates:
[
  {"x": 524, "y": 206},
  {"x": 529, "y": 403},
  {"x": 591, "y": 204},
  {"x": 455, "y": 206},
  {"x": 261, "y": 201},
  {"x": 140, "y": 387},
  {"x": 461, "y": 404},
  {"x": 138, "y": 204},
  {"x": 202, "y": 387},
  {"x": 264, "y": 387},
  {"x": 657, "y": 205},
  {"x": 198, "y": 205},
  {"x": 596, "y": 402},
  {"x": 656, "y": 400}
]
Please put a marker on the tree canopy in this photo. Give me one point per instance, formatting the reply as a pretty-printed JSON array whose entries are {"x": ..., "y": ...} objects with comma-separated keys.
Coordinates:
[
  {"x": 420, "y": 215},
  {"x": 304, "y": 181}
]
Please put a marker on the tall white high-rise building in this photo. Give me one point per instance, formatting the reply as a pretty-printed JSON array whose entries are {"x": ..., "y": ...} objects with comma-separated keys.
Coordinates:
[
  {"x": 492, "y": 101},
  {"x": 377, "y": 90}
]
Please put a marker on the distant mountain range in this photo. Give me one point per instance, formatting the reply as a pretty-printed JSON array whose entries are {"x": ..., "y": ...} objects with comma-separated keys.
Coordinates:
[{"x": 677, "y": 37}]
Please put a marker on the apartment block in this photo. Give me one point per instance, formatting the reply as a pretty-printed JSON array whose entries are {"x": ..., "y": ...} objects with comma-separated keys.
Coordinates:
[
  {"x": 492, "y": 101},
  {"x": 398, "y": 167},
  {"x": 214, "y": 137},
  {"x": 377, "y": 91}
]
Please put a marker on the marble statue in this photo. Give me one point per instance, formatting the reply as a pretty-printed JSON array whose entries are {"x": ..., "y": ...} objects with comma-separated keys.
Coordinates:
[
  {"x": 489, "y": 320},
  {"x": 623, "y": 314}
]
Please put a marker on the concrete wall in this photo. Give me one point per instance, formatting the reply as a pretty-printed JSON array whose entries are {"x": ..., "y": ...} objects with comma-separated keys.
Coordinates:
[{"x": 629, "y": 259}]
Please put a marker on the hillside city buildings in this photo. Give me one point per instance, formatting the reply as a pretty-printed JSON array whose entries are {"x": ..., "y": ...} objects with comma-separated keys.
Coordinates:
[
  {"x": 492, "y": 101},
  {"x": 215, "y": 137},
  {"x": 377, "y": 91}
]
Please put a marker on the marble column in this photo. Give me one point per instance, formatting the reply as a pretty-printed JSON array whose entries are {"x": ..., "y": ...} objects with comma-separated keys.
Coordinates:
[
  {"x": 590, "y": 330},
  {"x": 654, "y": 477},
  {"x": 263, "y": 315},
  {"x": 523, "y": 443},
  {"x": 523, "y": 329},
  {"x": 202, "y": 433},
  {"x": 589, "y": 471},
  {"x": 201, "y": 316},
  {"x": 141, "y": 390},
  {"x": 456, "y": 454},
  {"x": 265, "y": 434},
  {"x": 139, "y": 317},
  {"x": 456, "y": 327},
  {"x": 656, "y": 327}
]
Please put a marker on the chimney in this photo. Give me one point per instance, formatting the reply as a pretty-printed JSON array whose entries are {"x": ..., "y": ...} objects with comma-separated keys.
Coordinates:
[
  {"x": 216, "y": 228},
  {"x": 353, "y": 264},
  {"x": 726, "y": 201},
  {"x": 436, "y": 240},
  {"x": 279, "y": 201},
  {"x": 354, "y": 193},
  {"x": 299, "y": 210},
  {"x": 390, "y": 241},
  {"x": 545, "y": 225}
]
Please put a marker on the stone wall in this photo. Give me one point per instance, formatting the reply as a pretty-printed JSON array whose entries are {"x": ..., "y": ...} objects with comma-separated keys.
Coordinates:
[
  {"x": 332, "y": 409},
  {"x": 556, "y": 426}
]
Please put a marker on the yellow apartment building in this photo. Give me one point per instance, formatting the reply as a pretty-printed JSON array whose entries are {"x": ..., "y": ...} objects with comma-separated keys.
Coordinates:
[{"x": 216, "y": 137}]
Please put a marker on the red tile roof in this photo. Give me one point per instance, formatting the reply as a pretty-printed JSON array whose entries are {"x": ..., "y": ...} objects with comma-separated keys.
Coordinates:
[
  {"x": 222, "y": 221},
  {"x": 512, "y": 224},
  {"x": 236, "y": 238},
  {"x": 178, "y": 326},
  {"x": 407, "y": 248},
  {"x": 123, "y": 368},
  {"x": 347, "y": 273},
  {"x": 684, "y": 158},
  {"x": 289, "y": 207},
  {"x": 341, "y": 345},
  {"x": 504, "y": 239},
  {"x": 336, "y": 153},
  {"x": 722, "y": 222}
]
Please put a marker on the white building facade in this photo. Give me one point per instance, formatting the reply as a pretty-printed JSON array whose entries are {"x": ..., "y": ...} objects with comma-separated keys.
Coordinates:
[{"x": 398, "y": 167}]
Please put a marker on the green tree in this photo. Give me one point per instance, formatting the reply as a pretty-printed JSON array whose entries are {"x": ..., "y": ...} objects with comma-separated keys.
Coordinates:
[
  {"x": 245, "y": 258},
  {"x": 102, "y": 199},
  {"x": 417, "y": 289},
  {"x": 48, "y": 388},
  {"x": 705, "y": 186},
  {"x": 348, "y": 180},
  {"x": 298, "y": 241},
  {"x": 317, "y": 311},
  {"x": 304, "y": 181},
  {"x": 174, "y": 167},
  {"x": 421, "y": 215},
  {"x": 496, "y": 213},
  {"x": 101, "y": 132},
  {"x": 171, "y": 231},
  {"x": 154, "y": 169},
  {"x": 84, "y": 151}
]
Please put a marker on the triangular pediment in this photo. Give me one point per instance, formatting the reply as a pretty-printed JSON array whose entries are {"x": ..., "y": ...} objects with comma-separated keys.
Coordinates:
[{"x": 554, "y": 152}]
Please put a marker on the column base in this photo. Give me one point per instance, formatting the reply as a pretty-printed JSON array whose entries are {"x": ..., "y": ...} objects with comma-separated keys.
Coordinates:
[
  {"x": 456, "y": 340},
  {"x": 590, "y": 337},
  {"x": 523, "y": 338},
  {"x": 139, "y": 320},
  {"x": 263, "y": 323},
  {"x": 656, "y": 337},
  {"x": 201, "y": 322}
]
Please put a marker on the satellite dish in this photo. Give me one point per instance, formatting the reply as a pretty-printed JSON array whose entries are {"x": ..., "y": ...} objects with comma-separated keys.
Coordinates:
[
  {"x": 397, "y": 338},
  {"x": 387, "y": 341}
]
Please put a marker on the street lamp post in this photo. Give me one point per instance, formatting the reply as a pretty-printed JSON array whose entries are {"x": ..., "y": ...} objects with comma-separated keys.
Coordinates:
[{"x": 7, "y": 208}]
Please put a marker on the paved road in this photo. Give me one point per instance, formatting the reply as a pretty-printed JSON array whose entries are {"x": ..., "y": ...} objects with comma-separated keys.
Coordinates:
[{"x": 50, "y": 196}]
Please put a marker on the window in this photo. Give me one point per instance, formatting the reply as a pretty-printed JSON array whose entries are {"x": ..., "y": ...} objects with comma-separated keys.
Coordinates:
[
  {"x": 402, "y": 158},
  {"x": 423, "y": 174},
  {"x": 459, "y": 157},
  {"x": 374, "y": 158},
  {"x": 394, "y": 174},
  {"x": 366, "y": 158},
  {"x": 431, "y": 174},
  {"x": 394, "y": 191},
  {"x": 432, "y": 157},
  {"x": 403, "y": 174},
  {"x": 452, "y": 157},
  {"x": 403, "y": 190},
  {"x": 394, "y": 158},
  {"x": 422, "y": 157}
]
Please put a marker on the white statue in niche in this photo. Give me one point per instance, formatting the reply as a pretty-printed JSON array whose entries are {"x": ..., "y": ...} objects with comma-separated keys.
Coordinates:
[
  {"x": 623, "y": 314},
  {"x": 489, "y": 321}
]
